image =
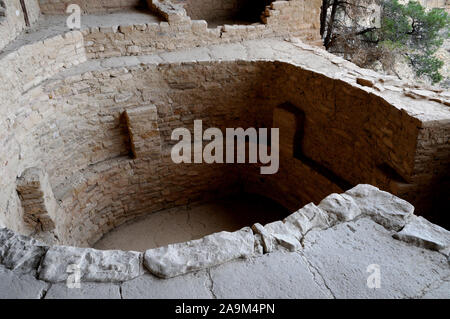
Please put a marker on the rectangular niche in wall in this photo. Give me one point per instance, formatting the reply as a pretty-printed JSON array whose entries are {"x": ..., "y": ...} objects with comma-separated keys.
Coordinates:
[
  {"x": 219, "y": 12},
  {"x": 290, "y": 120}
]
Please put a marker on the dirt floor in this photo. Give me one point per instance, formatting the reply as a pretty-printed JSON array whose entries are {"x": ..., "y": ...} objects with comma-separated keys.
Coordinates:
[{"x": 192, "y": 222}]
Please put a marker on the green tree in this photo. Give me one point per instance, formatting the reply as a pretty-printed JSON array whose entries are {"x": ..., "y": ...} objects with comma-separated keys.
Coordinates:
[
  {"x": 405, "y": 29},
  {"x": 420, "y": 32}
]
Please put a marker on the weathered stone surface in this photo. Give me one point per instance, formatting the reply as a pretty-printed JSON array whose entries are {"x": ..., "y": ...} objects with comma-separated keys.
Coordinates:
[
  {"x": 384, "y": 208},
  {"x": 94, "y": 265},
  {"x": 215, "y": 249},
  {"x": 38, "y": 201},
  {"x": 284, "y": 234},
  {"x": 310, "y": 217},
  {"x": 342, "y": 256},
  {"x": 288, "y": 233},
  {"x": 287, "y": 241},
  {"x": 86, "y": 291},
  {"x": 422, "y": 233},
  {"x": 275, "y": 275},
  {"x": 20, "y": 253},
  {"x": 144, "y": 133},
  {"x": 15, "y": 286},
  {"x": 189, "y": 286},
  {"x": 266, "y": 238},
  {"x": 341, "y": 206},
  {"x": 441, "y": 292}
]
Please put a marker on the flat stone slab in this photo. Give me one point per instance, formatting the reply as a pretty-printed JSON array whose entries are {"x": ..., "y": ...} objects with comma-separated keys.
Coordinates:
[
  {"x": 20, "y": 253},
  {"x": 16, "y": 286},
  {"x": 93, "y": 265},
  {"x": 189, "y": 286},
  {"x": 212, "y": 250},
  {"x": 275, "y": 275},
  {"x": 347, "y": 255},
  {"x": 86, "y": 291}
]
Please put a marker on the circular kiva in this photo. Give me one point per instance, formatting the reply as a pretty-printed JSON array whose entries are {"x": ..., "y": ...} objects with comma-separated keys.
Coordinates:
[{"x": 86, "y": 119}]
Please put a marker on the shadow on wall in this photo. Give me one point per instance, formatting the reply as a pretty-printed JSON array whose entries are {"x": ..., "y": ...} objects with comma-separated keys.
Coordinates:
[
  {"x": 251, "y": 10},
  {"x": 226, "y": 11}
]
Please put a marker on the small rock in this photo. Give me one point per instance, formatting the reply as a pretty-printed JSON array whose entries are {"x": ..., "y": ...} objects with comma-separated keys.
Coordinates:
[
  {"x": 384, "y": 208},
  {"x": 310, "y": 217},
  {"x": 284, "y": 235},
  {"x": 266, "y": 237},
  {"x": 288, "y": 242},
  {"x": 422, "y": 233},
  {"x": 365, "y": 82},
  {"x": 342, "y": 206}
]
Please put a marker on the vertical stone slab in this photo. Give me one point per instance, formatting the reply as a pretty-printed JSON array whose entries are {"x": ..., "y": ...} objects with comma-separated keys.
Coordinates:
[
  {"x": 144, "y": 132},
  {"x": 37, "y": 199}
]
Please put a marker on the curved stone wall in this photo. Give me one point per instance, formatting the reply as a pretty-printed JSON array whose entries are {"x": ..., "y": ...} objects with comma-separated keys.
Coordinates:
[
  {"x": 73, "y": 129},
  {"x": 71, "y": 170}
]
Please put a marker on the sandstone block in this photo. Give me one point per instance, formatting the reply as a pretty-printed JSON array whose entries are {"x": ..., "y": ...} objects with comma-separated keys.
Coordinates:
[
  {"x": 212, "y": 250},
  {"x": 310, "y": 217},
  {"x": 341, "y": 206},
  {"x": 94, "y": 265},
  {"x": 384, "y": 208},
  {"x": 422, "y": 233}
]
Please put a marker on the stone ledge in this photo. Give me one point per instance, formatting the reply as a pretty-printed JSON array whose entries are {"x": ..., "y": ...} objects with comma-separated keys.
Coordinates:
[
  {"x": 420, "y": 232},
  {"x": 23, "y": 254},
  {"x": 212, "y": 250},
  {"x": 93, "y": 265}
]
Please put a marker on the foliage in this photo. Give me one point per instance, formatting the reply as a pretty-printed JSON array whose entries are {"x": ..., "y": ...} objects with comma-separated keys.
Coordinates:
[
  {"x": 420, "y": 31},
  {"x": 408, "y": 29}
]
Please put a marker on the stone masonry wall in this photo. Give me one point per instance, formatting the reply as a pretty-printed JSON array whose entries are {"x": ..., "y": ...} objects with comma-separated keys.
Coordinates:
[
  {"x": 83, "y": 143},
  {"x": 282, "y": 18},
  {"x": 12, "y": 21},
  {"x": 22, "y": 72},
  {"x": 87, "y": 6},
  {"x": 85, "y": 132},
  {"x": 212, "y": 10}
]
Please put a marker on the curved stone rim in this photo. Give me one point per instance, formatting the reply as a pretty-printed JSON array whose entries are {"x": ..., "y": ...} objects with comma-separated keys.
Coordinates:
[{"x": 51, "y": 264}]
